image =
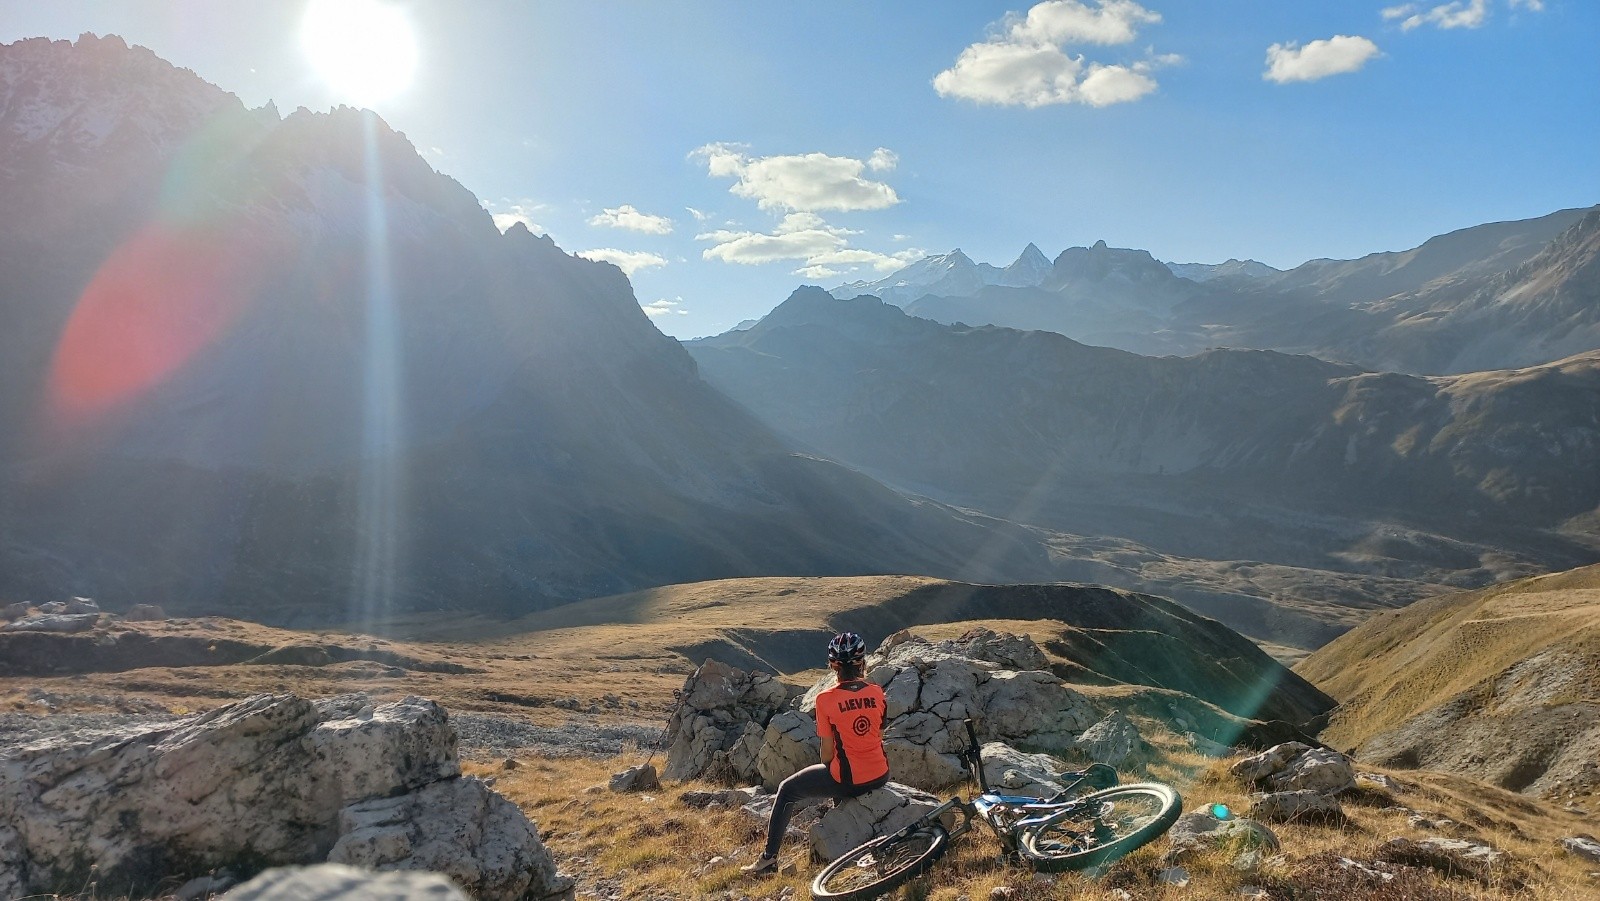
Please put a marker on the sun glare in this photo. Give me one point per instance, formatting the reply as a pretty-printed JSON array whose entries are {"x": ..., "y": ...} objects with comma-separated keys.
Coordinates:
[{"x": 365, "y": 50}]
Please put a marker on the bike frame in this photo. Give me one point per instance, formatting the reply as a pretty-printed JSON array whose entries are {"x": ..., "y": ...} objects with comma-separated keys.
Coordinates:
[{"x": 997, "y": 809}]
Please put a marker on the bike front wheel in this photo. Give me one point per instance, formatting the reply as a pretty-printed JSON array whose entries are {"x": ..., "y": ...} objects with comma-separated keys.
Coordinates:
[
  {"x": 880, "y": 866},
  {"x": 1102, "y": 827}
]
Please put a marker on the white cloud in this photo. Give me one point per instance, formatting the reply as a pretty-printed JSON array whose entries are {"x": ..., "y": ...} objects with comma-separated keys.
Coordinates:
[
  {"x": 805, "y": 238},
  {"x": 510, "y": 213},
  {"x": 629, "y": 261},
  {"x": 664, "y": 307},
  {"x": 812, "y": 181},
  {"x": 627, "y": 217},
  {"x": 1534, "y": 5},
  {"x": 698, "y": 215},
  {"x": 883, "y": 160},
  {"x": 1457, "y": 14},
  {"x": 1318, "y": 59},
  {"x": 1026, "y": 64}
]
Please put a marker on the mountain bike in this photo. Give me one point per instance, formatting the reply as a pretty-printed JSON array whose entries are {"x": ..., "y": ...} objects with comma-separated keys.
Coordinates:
[{"x": 1068, "y": 831}]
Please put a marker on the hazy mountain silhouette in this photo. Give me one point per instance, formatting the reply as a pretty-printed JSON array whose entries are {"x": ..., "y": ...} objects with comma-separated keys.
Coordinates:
[
  {"x": 279, "y": 365},
  {"x": 1231, "y": 454},
  {"x": 1493, "y": 296}
]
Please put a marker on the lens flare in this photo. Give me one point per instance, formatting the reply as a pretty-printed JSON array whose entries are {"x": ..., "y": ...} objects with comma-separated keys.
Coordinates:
[
  {"x": 365, "y": 50},
  {"x": 162, "y": 296}
]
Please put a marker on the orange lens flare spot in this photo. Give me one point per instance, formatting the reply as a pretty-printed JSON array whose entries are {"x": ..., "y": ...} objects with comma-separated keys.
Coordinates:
[{"x": 161, "y": 298}]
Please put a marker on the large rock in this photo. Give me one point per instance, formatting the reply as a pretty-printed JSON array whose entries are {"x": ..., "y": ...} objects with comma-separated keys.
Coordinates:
[
  {"x": 1013, "y": 772},
  {"x": 1203, "y": 830},
  {"x": 879, "y": 812},
  {"x": 1110, "y": 741},
  {"x": 1320, "y": 770},
  {"x": 81, "y": 605},
  {"x": 459, "y": 827},
  {"x": 262, "y": 782},
  {"x": 790, "y": 744},
  {"x": 144, "y": 613},
  {"x": 1258, "y": 768},
  {"x": 1295, "y": 806},
  {"x": 710, "y": 732},
  {"x": 931, "y": 688},
  {"x": 335, "y": 882},
  {"x": 54, "y": 622},
  {"x": 1582, "y": 846}
]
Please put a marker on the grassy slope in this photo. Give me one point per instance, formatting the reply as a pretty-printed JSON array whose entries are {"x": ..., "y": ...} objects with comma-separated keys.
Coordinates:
[
  {"x": 653, "y": 846},
  {"x": 1403, "y": 662}
]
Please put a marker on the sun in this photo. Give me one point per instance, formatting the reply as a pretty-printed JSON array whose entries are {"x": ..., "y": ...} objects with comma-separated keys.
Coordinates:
[{"x": 366, "y": 50}]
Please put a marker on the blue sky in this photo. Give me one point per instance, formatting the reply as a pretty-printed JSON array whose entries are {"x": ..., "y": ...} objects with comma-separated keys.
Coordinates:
[{"x": 727, "y": 152}]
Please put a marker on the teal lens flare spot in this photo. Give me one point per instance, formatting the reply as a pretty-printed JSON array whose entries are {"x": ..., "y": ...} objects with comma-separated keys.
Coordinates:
[{"x": 1221, "y": 811}]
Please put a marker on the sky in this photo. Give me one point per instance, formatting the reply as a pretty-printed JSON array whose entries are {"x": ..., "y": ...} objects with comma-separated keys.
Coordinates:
[{"x": 725, "y": 153}]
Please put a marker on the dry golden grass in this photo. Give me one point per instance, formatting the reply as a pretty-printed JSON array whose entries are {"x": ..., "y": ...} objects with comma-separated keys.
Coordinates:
[
  {"x": 1404, "y": 661},
  {"x": 652, "y": 846}
]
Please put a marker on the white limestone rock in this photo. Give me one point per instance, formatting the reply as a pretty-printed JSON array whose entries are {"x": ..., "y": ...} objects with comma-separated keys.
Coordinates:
[
  {"x": 1304, "y": 805},
  {"x": 878, "y": 812},
  {"x": 1269, "y": 762},
  {"x": 1110, "y": 741},
  {"x": 789, "y": 745},
  {"x": 1320, "y": 770},
  {"x": 54, "y": 622},
  {"x": 459, "y": 827}
]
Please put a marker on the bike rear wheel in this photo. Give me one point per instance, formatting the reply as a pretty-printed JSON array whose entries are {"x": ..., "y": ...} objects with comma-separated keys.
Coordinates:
[
  {"x": 880, "y": 866},
  {"x": 1113, "y": 822}
]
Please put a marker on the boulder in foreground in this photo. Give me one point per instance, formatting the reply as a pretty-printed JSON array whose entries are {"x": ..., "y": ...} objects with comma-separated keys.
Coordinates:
[{"x": 273, "y": 780}]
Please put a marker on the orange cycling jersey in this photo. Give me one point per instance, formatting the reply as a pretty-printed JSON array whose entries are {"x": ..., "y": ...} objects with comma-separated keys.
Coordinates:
[{"x": 851, "y": 713}]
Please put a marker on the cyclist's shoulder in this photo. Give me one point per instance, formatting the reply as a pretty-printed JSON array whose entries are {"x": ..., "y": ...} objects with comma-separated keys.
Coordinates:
[{"x": 853, "y": 688}]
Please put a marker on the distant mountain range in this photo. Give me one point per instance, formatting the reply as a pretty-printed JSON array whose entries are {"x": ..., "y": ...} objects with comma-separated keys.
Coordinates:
[
  {"x": 1493, "y": 296},
  {"x": 1227, "y": 455},
  {"x": 279, "y": 367}
]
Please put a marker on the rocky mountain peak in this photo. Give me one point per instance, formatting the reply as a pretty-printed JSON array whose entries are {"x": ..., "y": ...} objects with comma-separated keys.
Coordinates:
[{"x": 1028, "y": 270}]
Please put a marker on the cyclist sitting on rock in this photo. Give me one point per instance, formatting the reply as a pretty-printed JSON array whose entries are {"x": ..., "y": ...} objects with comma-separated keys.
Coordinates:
[{"x": 850, "y": 724}]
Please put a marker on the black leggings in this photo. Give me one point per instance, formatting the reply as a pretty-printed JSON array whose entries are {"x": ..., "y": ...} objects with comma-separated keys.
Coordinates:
[{"x": 812, "y": 782}]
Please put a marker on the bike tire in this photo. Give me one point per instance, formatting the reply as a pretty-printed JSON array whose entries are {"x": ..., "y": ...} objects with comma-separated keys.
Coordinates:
[
  {"x": 1148, "y": 809},
  {"x": 879, "y": 867}
]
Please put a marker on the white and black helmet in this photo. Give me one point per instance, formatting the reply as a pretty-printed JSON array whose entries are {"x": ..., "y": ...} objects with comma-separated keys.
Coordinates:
[{"x": 847, "y": 646}]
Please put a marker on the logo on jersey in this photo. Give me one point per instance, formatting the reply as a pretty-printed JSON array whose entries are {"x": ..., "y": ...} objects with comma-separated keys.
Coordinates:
[{"x": 861, "y": 726}]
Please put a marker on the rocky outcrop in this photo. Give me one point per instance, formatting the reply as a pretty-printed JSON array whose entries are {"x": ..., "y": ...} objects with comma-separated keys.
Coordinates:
[
  {"x": 459, "y": 827},
  {"x": 735, "y": 725},
  {"x": 1293, "y": 766},
  {"x": 721, "y": 722},
  {"x": 932, "y": 688},
  {"x": 54, "y": 622},
  {"x": 272, "y": 780},
  {"x": 1297, "y": 782}
]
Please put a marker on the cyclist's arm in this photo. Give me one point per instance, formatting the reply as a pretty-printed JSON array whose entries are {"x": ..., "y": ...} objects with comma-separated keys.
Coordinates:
[{"x": 828, "y": 749}]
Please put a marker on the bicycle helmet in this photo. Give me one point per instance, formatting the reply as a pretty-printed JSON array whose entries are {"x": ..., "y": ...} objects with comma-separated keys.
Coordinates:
[{"x": 847, "y": 646}]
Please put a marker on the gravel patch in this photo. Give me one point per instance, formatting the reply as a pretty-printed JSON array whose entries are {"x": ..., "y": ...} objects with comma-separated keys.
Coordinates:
[
  {"x": 493, "y": 737},
  {"x": 483, "y": 737}
]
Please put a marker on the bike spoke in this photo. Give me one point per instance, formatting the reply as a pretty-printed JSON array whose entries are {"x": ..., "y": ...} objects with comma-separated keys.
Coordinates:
[{"x": 879, "y": 863}]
